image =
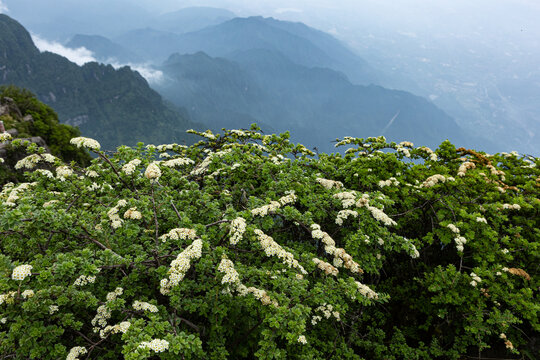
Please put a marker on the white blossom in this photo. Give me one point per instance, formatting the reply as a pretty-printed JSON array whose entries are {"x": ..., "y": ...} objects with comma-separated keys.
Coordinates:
[{"x": 85, "y": 142}]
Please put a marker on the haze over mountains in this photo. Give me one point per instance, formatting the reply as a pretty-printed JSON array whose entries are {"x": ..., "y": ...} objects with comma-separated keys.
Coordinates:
[{"x": 230, "y": 71}]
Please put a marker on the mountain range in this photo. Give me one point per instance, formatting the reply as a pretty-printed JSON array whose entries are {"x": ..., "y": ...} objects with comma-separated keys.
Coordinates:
[
  {"x": 114, "y": 106},
  {"x": 281, "y": 75}
]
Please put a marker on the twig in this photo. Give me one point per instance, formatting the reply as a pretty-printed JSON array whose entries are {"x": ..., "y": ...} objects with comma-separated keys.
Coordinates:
[
  {"x": 217, "y": 222},
  {"x": 176, "y": 211}
]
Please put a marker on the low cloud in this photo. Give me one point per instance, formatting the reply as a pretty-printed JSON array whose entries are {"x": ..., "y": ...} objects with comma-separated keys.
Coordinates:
[
  {"x": 151, "y": 75},
  {"x": 79, "y": 56},
  {"x": 82, "y": 55},
  {"x": 3, "y": 7}
]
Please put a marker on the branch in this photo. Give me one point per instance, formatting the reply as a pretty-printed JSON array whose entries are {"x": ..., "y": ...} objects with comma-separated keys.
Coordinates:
[{"x": 176, "y": 211}]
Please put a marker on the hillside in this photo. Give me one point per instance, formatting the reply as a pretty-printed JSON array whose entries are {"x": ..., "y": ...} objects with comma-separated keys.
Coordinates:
[
  {"x": 26, "y": 118},
  {"x": 114, "y": 106},
  {"x": 316, "y": 104}
]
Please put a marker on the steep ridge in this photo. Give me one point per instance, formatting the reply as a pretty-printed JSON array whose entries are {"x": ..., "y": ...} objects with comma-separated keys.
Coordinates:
[{"x": 114, "y": 106}]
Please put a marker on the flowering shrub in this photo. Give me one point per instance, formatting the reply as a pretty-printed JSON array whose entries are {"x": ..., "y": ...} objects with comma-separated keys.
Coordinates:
[{"x": 244, "y": 245}]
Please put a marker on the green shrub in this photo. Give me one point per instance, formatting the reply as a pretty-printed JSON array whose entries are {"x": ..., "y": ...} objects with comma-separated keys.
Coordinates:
[{"x": 244, "y": 245}]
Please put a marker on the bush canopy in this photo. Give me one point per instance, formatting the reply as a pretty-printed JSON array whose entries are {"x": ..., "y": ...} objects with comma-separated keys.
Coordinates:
[{"x": 245, "y": 245}]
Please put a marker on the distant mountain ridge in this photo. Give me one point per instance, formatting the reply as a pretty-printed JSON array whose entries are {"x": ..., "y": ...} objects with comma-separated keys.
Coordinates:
[
  {"x": 300, "y": 43},
  {"x": 103, "y": 49},
  {"x": 315, "y": 104},
  {"x": 114, "y": 106}
]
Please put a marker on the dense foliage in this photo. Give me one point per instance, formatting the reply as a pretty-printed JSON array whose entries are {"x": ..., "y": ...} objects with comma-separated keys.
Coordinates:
[
  {"x": 245, "y": 245},
  {"x": 41, "y": 121}
]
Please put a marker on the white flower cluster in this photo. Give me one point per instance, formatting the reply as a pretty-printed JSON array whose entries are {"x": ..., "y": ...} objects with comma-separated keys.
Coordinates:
[
  {"x": 389, "y": 182},
  {"x": 348, "y": 198},
  {"x": 115, "y": 329},
  {"x": 153, "y": 171},
  {"x": 329, "y": 184},
  {"x": 344, "y": 214},
  {"x": 432, "y": 155},
  {"x": 453, "y": 228},
  {"x": 460, "y": 241},
  {"x": 475, "y": 279},
  {"x": 45, "y": 173},
  {"x": 157, "y": 345},
  {"x": 239, "y": 133},
  {"x": 177, "y": 162},
  {"x": 238, "y": 227},
  {"x": 259, "y": 294},
  {"x": 272, "y": 248},
  {"x": 379, "y": 215},
  {"x": 179, "y": 233},
  {"x": 75, "y": 352},
  {"x": 63, "y": 172},
  {"x": 507, "y": 342},
  {"x": 434, "y": 179},
  {"x": 341, "y": 258},
  {"x": 83, "y": 280},
  {"x": 27, "y": 294},
  {"x": 346, "y": 140},
  {"x": 5, "y": 136},
  {"x": 495, "y": 171},
  {"x": 85, "y": 142},
  {"x": 407, "y": 144},
  {"x": 274, "y": 205},
  {"x": 31, "y": 161},
  {"x": 130, "y": 167},
  {"x": 144, "y": 306},
  {"x": 53, "y": 309},
  {"x": 133, "y": 213},
  {"x": 366, "y": 291},
  {"x": 203, "y": 166},
  {"x": 278, "y": 160},
  {"x": 467, "y": 165},
  {"x": 181, "y": 265},
  {"x": 326, "y": 267},
  {"x": 328, "y": 311},
  {"x": 231, "y": 276},
  {"x": 401, "y": 149},
  {"x": 116, "y": 222},
  {"x": 165, "y": 147},
  {"x": 511, "y": 206},
  {"x": 8, "y": 298},
  {"x": 21, "y": 272},
  {"x": 12, "y": 193},
  {"x": 302, "y": 339},
  {"x": 104, "y": 312},
  {"x": 481, "y": 220},
  {"x": 91, "y": 173}
]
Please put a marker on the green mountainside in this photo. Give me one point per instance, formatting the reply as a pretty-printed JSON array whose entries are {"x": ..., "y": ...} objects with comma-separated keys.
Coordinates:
[
  {"x": 113, "y": 106},
  {"x": 25, "y": 117}
]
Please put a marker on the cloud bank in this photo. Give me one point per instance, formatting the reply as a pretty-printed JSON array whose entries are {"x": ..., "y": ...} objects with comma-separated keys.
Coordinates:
[
  {"x": 82, "y": 55},
  {"x": 79, "y": 56}
]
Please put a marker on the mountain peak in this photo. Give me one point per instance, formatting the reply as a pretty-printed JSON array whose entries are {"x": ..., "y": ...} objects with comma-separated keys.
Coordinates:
[{"x": 14, "y": 39}]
